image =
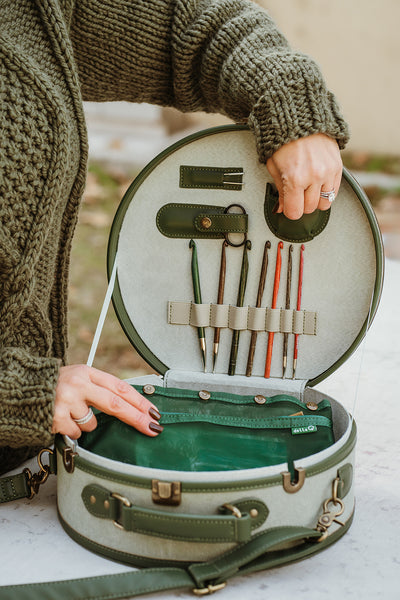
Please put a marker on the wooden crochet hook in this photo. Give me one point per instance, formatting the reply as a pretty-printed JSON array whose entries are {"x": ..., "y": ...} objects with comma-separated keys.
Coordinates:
[
  {"x": 197, "y": 298},
  {"x": 299, "y": 291},
  {"x": 287, "y": 306},
  {"x": 220, "y": 299},
  {"x": 273, "y": 305},
  {"x": 240, "y": 299},
  {"x": 261, "y": 286}
]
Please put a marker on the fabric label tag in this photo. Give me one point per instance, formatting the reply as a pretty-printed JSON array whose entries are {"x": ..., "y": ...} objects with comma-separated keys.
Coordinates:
[{"x": 308, "y": 429}]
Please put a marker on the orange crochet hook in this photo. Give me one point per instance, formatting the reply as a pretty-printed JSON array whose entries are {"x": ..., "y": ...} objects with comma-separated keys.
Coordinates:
[{"x": 273, "y": 305}]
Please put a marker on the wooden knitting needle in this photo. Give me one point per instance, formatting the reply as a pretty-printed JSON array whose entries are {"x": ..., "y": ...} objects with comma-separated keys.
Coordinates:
[
  {"x": 273, "y": 305},
  {"x": 299, "y": 291},
  {"x": 261, "y": 286},
  {"x": 220, "y": 299},
  {"x": 287, "y": 306},
  {"x": 197, "y": 298}
]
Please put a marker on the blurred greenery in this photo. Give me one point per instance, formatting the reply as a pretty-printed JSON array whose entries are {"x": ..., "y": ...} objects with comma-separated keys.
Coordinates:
[
  {"x": 88, "y": 280},
  {"x": 364, "y": 161}
]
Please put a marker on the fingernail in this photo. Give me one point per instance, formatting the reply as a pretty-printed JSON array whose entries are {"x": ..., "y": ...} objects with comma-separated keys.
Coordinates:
[
  {"x": 153, "y": 412},
  {"x": 156, "y": 427}
]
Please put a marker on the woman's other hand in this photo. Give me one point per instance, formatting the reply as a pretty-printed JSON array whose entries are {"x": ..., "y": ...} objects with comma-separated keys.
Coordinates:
[
  {"x": 80, "y": 387},
  {"x": 304, "y": 168}
]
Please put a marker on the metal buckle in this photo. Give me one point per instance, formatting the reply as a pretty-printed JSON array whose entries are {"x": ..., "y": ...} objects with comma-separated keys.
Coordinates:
[
  {"x": 234, "y": 510},
  {"x": 125, "y": 502},
  {"x": 210, "y": 589},
  {"x": 35, "y": 480},
  {"x": 226, "y": 235}
]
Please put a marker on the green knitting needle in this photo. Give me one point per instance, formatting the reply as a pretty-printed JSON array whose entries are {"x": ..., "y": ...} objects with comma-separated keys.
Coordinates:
[{"x": 197, "y": 298}]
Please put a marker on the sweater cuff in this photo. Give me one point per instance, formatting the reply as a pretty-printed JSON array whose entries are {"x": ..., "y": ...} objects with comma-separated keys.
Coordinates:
[
  {"x": 27, "y": 392},
  {"x": 296, "y": 104}
]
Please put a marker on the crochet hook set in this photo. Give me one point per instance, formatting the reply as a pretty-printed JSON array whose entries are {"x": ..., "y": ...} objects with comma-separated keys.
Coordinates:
[{"x": 281, "y": 255}]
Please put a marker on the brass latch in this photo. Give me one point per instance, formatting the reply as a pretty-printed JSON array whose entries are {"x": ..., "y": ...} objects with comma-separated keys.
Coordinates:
[{"x": 166, "y": 492}]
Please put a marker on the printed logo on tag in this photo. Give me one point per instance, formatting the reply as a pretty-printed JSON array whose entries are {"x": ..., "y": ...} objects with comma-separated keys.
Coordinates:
[{"x": 308, "y": 429}]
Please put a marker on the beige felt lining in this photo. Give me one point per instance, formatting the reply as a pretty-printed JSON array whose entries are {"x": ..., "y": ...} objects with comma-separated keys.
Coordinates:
[
  {"x": 242, "y": 318},
  {"x": 339, "y": 267}
]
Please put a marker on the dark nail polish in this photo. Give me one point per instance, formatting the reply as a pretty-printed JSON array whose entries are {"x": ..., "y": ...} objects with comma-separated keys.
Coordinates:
[
  {"x": 156, "y": 427},
  {"x": 153, "y": 412}
]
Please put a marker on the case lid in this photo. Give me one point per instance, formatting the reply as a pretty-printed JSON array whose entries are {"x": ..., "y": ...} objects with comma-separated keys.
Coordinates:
[{"x": 185, "y": 193}]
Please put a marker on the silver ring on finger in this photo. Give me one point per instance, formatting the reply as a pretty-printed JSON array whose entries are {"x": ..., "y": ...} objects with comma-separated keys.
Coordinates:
[
  {"x": 84, "y": 419},
  {"x": 330, "y": 196}
]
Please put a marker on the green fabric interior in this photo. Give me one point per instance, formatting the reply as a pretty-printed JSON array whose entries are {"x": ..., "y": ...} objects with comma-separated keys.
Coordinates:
[{"x": 226, "y": 432}]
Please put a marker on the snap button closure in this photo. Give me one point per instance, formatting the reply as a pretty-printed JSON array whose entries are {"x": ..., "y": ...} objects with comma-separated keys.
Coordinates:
[
  {"x": 312, "y": 405},
  {"x": 204, "y": 395},
  {"x": 254, "y": 513},
  {"x": 206, "y": 222},
  {"x": 149, "y": 389},
  {"x": 260, "y": 399}
]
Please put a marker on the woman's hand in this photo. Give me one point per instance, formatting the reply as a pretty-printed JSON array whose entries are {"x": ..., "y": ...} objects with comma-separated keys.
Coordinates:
[
  {"x": 304, "y": 168},
  {"x": 80, "y": 387}
]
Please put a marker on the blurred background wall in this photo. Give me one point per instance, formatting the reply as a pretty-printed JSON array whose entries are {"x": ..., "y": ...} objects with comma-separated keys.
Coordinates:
[{"x": 357, "y": 45}]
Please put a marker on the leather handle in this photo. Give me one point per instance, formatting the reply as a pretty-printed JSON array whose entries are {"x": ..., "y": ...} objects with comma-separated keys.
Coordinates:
[{"x": 222, "y": 528}]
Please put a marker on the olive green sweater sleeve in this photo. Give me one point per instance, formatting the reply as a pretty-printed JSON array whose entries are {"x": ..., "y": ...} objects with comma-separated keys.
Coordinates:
[
  {"x": 27, "y": 385},
  {"x": 222, "y": 56}
]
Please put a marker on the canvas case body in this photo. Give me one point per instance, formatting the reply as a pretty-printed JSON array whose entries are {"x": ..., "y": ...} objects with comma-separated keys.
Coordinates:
[{"x": 240, "y": 456}]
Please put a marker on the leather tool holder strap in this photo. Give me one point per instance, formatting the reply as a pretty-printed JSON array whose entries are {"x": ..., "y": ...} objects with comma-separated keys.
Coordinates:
[{"x": 199, "y": 221}]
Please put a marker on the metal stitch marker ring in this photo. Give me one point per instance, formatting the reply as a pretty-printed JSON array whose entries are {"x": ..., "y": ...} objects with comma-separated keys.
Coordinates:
[{"x": 226, "y": 235}]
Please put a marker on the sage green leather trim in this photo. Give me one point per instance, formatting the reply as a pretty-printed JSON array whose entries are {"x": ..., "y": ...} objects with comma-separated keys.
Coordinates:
[
  {"x": 227, "y": 527},
  {"x": 380, "y": 268},
  {"x": 199, "y": 221},
  {"x": 219, "y": 178},
  {"x": 201, "y": 487},
  {"x": 118, "y": 555},
  {"x": 14, "y": 487},
  {"x": 345, "y": 475},
  {"x": 287, "y": 556},
  {"x": 301, "y": 230}
]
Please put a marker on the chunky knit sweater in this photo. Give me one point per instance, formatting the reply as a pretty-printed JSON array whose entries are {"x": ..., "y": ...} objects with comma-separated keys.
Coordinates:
[{"x": 217, "y": 56}]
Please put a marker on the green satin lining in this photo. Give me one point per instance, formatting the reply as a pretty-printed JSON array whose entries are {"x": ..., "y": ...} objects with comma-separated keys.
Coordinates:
[{"x": 226, "y": 432}]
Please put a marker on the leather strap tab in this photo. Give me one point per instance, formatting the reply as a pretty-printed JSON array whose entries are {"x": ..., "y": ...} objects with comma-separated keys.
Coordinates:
[
  {"x": 14, "y": 487},
  {"x": 219, "y": 178},
  {"x": 199, "y": 221}
]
